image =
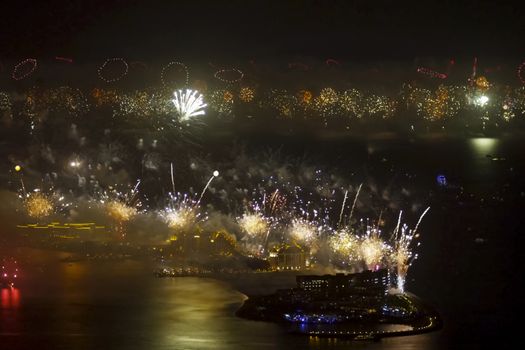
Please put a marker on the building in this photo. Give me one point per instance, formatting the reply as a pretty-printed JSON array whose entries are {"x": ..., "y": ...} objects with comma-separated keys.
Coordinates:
[
  {"x": 288, "y": 257},
  {"x": 366, "y": 283}
]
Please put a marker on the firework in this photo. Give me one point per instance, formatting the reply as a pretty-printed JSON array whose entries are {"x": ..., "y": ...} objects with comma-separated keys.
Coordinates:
[
  {"x": 231, "y": 76},
  {"x": 402, "y": 255},
  {"x": 181, "y": 66},
  {"x": 188, "y": 104},
  {"x": 352, "y": 102},
  {"x": 38, "y": 205},
  {"x": 20, "y": 72},
  {"x": 254, "y": 224},
  {"x": 214, "y": 175},
  {"x": 281, "y": 102},
  {"x": 304, "y": 98},
  {"x": 5, "y": 105},
  {"x": 256, "y": 228},
  {"x": 380, "y": 106},
  {"x": 67, "y": 100},
  {"x": 482, "y": 83},
  {"x": 372, "y": 250},
  {"x": 115, "y": 77},
  {"x": 246, "y": 94},
  {"x": 304, "y": 231},
  {"x": 520, "y": 74},
  {"x": 343, "y": 208},
  {"x": 182, "y": 213},
  {"x": 346, "y": 247},
  {"x": 120, "y": 211},
  {"x": 274, "y": 204},
  {"x": 121, "y": 206},
  {"x": 442, "y": 104},
  {"x": 353, "y": 204},
  {"x": 221, "y": 101},
  {"x": 326, "y": 103},
  {"x": 431, "y": 73}
]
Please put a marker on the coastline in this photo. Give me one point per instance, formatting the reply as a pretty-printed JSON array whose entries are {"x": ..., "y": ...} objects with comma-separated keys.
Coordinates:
[{"x": 423, "y": 320}]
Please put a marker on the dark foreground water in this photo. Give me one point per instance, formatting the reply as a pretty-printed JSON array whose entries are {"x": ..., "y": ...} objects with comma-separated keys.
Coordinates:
[
  {"x": 470, "y": 268},
  {"x": 121, "y": 306}
]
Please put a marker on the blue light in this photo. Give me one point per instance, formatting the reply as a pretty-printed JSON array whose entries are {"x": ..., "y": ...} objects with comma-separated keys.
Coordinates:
[{"x": 441, "y": 180}]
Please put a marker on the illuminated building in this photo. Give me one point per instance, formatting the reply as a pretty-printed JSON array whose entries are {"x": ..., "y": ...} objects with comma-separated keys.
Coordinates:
[
  {"x": 364, "y": 283},
  {"x": 288, "y": 257}
]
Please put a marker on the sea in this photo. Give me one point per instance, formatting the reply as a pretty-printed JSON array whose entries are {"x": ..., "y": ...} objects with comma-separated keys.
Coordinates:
[{"x": 469, "y": 268}]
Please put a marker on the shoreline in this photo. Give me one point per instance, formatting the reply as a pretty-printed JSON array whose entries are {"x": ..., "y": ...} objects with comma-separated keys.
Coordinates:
[{"x": 424, "y": 319}]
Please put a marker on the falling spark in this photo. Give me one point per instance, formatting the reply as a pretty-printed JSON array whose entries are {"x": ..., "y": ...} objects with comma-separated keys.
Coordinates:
[
  {"x": 353, "y": 204},
  {"x": 172, "y": 179},
  {"x": 396, "y": 230},
  {"x": 342, "y": 209}
]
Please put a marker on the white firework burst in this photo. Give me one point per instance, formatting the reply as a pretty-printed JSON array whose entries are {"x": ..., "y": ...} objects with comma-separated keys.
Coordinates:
[{"x": 188, "y": 103}]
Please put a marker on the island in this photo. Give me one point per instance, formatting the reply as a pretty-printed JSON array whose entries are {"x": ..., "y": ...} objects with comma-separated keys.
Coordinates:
[{"x": 357, "y": 306}]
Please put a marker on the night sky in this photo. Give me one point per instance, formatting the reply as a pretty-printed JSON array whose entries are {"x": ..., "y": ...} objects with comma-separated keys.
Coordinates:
[{"x": 239, "y": 29}]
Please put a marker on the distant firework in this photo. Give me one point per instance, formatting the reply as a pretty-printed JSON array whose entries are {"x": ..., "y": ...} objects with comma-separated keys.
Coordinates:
[
  {"x": 188, "y": 104},
  {"x": 431, "y": 73},
  {"x": 38, "y": 205}
]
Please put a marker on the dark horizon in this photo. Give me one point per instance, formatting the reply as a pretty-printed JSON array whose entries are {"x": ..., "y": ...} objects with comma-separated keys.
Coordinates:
[{"x": 349, "y": 30}]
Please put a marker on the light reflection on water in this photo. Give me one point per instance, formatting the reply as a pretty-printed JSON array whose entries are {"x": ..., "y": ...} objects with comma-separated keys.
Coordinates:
[
  {"x": 483, "y": 146},
  {"x": 83, "y": 305}
]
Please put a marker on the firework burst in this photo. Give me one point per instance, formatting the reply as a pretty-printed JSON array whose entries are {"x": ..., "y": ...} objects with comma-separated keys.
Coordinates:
[
  {"x": 188, "y": 104},
  {"x": 182, "y": 213},
  {"x": 303, "y": 231},
  {"x": 256, "y": 228},
  {"x": 38, "y": 205},
  {"x": 345, "y": 246},
  {"x": 121, "y": 206},
  {"x": 373, "y": 249}
]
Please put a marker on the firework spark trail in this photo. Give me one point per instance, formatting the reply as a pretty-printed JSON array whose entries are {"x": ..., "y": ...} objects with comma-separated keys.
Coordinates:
[
  {"x": 342, "y": 209},
  {"x": 273, "y": 200},
  {"x": 172, "y": 179},
  {"x": 403, "y": 255},
  {"x": 419, "y": 221},
  {"x": 136, "y": 186},
  {"x": 265, "y": 246},
  {"x": 353, "y": 205},
  {"x": 134, "y": 192},
  {"x": 396, "y": 230},
  {"x": 23, "y": 186},
  {"x": 215, "y": 174}
]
